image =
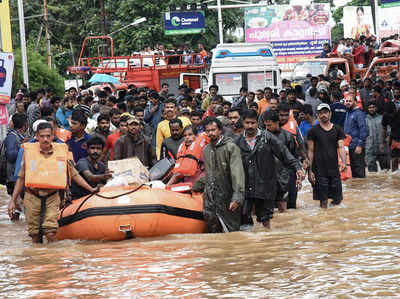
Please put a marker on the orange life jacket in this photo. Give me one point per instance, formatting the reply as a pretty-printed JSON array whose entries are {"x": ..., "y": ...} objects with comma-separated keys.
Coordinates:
[
  {"x": 63, "y": 134},
  {"x": 188, "y": 157},
  {"x": 46, "y": 172},
  {"x": 291, "y": 126},
  {"x": 346, "y": 174}
]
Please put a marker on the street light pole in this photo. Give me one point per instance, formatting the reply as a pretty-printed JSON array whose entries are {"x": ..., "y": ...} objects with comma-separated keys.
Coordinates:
[
  {"x": 46, "y": 24},
  {"x": 23, "y": 42},
  {"x": 220, "y": 28},
  {"x": 138, "y": 21}
]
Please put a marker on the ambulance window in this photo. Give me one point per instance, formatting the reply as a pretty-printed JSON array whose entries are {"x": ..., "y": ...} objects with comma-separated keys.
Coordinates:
[
  {"x": 229, "y": 84},
  {"x": 259, "y": 80}
]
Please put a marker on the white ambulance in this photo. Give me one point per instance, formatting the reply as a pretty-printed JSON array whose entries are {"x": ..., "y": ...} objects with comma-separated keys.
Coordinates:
[{"x": 243, "y": 65}]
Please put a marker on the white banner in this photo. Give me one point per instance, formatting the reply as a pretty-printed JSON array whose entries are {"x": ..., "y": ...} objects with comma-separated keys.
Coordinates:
[
  {"x": 6, "y": 73},
  {"x": 357, "y": 21},
  {"x": 389, "y": 21}
]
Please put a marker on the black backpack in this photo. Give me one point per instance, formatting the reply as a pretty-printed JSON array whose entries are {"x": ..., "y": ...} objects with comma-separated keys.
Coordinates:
[{"x": 3, "y": 163}]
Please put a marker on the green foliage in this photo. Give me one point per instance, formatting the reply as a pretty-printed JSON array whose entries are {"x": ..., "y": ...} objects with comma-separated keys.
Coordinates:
[
  {"x": 337, "y": 32},
  {"x": 39, "y": 74},
  {"x": 70, "y": 21}
]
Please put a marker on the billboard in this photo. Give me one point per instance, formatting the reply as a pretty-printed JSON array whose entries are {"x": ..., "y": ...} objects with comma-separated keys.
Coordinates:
[
  {"x": 390, "y": 3},
  {"x": 389, "y": 21},
  {"x": 6, "y": 72},
  {"x": 5, "y": 27},
  {"x": 184, "y": 22},
  {"x": 357, "y": 21},
  {"x": 295, "y": 32}
]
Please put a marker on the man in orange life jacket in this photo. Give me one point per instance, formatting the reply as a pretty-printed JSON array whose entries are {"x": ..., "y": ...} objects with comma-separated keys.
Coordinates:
[
  {"x": 42, "y": 160},
  {"x": 288, "y": 123}
]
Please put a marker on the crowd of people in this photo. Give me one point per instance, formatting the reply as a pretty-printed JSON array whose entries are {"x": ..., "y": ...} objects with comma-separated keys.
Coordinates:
[{"x": 253, "y": 151}]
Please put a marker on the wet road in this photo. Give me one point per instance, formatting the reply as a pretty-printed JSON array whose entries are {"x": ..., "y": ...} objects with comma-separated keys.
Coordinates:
[{"x": 350, "y": 251}]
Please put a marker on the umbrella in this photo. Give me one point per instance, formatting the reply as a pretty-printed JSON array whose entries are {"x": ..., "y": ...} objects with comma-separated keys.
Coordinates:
[{"x": 103, "y": 78}]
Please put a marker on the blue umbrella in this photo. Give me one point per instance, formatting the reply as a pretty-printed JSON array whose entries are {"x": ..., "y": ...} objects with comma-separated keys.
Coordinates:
[{"x": 103, "y": 78}]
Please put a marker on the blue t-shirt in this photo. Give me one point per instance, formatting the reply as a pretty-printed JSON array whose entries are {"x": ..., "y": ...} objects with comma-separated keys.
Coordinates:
[
  {"x": 82, "y": 165},
  {"x": 338, "y": 114},
  {"x": 78, "y": 148},
  {"x": 305, "y": 126}
]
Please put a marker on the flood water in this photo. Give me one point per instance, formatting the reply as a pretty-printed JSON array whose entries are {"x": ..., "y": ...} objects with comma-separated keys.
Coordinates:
[{"x": 350, "y": 251}]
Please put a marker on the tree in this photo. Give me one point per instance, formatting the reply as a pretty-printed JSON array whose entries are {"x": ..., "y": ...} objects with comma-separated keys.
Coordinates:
[{"x": 39, "y": 74}]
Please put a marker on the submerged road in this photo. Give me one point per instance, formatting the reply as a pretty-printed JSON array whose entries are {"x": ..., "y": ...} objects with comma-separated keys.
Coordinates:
[{"x": 350, "y": 251}]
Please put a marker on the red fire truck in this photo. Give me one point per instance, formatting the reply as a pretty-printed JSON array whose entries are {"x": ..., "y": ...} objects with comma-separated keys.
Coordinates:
[{"x": 141, "y": 70}]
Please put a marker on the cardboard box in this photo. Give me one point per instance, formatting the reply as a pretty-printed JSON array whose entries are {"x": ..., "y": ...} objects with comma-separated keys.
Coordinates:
[{"x": 132, "y": 170}]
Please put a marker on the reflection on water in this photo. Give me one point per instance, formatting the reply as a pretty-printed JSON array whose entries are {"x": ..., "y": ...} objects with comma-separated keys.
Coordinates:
[{"x": 349, "y": 251}]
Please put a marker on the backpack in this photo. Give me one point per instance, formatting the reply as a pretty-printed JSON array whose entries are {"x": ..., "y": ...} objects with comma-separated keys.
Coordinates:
[{"x": 3, "y": 163}]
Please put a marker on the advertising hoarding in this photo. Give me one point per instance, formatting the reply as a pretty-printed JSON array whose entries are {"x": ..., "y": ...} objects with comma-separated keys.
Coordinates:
[
  {"x": 389, "y": 21},
  {"x": 184, "y": 22},
  {"x": 357, "y": 21},
  {"x": 6, "y": 72},
  {"x": 296, "y": 32}
]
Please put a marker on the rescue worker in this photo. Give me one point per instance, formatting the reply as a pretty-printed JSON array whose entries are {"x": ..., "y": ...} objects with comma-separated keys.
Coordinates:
[
  {"x": 223, "y": 183},
  {"x": 44, "y": 160}
]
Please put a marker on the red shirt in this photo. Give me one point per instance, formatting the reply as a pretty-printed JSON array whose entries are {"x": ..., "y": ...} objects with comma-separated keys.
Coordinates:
[
  {"x": 358, "y": 55},
  {"x": 110, "y": 142},
  {"x": 208, "y": 113}
]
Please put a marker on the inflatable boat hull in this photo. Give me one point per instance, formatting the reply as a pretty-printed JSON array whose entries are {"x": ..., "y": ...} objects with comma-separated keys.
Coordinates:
[{"x": 124, "y": 213}]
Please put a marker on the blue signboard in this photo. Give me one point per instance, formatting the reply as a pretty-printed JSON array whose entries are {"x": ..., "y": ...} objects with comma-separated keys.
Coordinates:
[
  {"x": 390, "y": 3},
  {"x": 184, "y": 22}
]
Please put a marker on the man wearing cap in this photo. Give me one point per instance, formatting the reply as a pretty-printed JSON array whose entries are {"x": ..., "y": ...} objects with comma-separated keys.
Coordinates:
[
  {"x": 324, "y": 139},
  {"x": 135, "y": 144}
]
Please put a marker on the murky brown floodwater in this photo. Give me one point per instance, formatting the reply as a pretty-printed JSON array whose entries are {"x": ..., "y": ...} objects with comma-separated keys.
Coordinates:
[{"x": 349, "y": 251}]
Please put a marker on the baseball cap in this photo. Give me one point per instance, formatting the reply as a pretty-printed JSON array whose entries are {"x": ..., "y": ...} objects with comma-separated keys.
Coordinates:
[
  {"x": 323, "y": 106},
  {"x": 133, "y": 119}
]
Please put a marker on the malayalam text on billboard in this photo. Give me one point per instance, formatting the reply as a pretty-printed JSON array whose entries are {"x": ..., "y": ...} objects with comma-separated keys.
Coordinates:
[{"x": 296, "y": 32}]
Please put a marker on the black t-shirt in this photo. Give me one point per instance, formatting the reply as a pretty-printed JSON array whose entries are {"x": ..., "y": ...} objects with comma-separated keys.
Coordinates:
[
  {"x": 392, "y": 120},
  {"x": 82, "y": 165},
  {"x": 325, "y": 161}
]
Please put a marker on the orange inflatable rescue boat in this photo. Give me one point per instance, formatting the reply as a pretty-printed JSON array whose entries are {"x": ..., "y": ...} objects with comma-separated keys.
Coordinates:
[{"x": 118, "y": 213}]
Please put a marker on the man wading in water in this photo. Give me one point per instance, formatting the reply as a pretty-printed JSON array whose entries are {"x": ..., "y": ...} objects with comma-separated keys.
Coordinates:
[
  {"x": 323, "y": 141},
  {"x": 223, "y": 183},
  {"x": 43, "y": 172}
]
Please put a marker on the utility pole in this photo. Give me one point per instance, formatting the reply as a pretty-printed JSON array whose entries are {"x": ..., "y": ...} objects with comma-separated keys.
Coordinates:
[
  {"x": 103, "y": 24},
  {"x": 46, "y": 24},
  {"x": 23, "y": 42},
  {"x": 377, "y": 21},
  {"x": 220, "y": 27}
]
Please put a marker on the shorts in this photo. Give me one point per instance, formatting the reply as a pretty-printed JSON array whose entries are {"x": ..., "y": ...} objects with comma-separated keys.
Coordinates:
[
  {"x": 328, "y": 187},
  {"x": 264, "y": 209},
  {"x": 32, "y": 213}
]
